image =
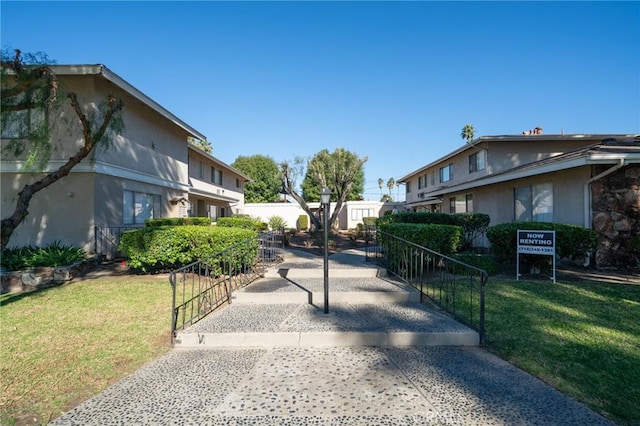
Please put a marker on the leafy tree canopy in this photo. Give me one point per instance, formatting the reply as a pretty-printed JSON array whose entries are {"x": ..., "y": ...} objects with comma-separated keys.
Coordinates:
[
  {"x": 265, "y": 175},
  {"x": 204, "y": 145}
]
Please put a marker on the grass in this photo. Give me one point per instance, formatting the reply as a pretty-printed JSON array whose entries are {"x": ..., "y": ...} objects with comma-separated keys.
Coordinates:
[
  {"x": 63, "y": 345},
  {"x": 66, "y": 344},
  {"x": 582, "y": 338}
]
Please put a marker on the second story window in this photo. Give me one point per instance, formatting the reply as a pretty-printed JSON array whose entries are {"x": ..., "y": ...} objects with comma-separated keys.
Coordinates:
[
  {"x": 421, "y": 183},
  {"x": 200, "y": 170},
  {"x": 408, "y": 187},
  {"x": 478, "y": 161},
  {"x": 216, "y": 176},
  {"x": 446, "y": 173}
]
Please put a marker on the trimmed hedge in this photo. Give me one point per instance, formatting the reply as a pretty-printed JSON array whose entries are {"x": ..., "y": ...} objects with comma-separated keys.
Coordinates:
[
  {"x": 242, "y": 222},
  {"x": 445, "y": 239},
  {"x": 178, "y": 221},
  {"x": 473, "y": 224},
  {"x": 572, "y": 242},
  {"x": 171, "y": 247},
  {"x": 303, "y": 222}
]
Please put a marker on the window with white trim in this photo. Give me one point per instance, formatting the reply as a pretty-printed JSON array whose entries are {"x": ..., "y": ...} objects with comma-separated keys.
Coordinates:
[
  {"x": 358, "y": 214},
  {"x": 19, "y": 124},
  {"x": 139, "y": 206},
  {"x": 216, "y": 176},
  {"x": 534, "y": 203}
]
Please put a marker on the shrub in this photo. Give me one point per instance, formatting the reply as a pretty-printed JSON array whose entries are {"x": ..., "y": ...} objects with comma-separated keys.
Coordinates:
[
  {"x": 170, "y": 247},
  {"x": 482, "y": 261},
  {"x": 369, "y": 221},
  {"x": 276, "y": 222},
  {"x": 572, "y": 242},
  {"x": 473, "y": 224},
  {"x": 52, "y": 255},
  {"x": 242, "y": 222},
  {"x": 178, "y": 221},
  {"x": 303, "y": 222},
  {"x": 444, "y": 239}
]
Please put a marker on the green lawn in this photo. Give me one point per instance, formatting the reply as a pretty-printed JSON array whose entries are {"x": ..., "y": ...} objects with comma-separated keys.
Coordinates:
[
  {"x": 582, "y": 338},
  {"x": 66, "y": 344},
  {"x": 63, "y": 345}
]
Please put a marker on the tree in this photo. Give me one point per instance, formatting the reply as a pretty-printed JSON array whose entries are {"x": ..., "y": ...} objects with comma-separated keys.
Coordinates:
[
  {"x": 311, "y": 188},
  {"x": 204, "y": 145},
  {"x": 390, "y": 184},
  {"x": 380, "y": 184},
  {"x": 386, "y": 198},
  {"x": 31, "y": 107},
  {"x": 337, "y": 171},
  {"x": 265, "y": 185},
  {"x": 468, "y": 133}
]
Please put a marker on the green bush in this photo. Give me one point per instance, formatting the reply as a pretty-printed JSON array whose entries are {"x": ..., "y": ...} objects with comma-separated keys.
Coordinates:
[
  {"x": 52, "y": 255},
  {"x": 178, "y": 221},
  {"x": 303, "y": 222},
  {"x": 369, "y": 221},
  {"x": 242, "y": 222},
  {"x": 170, "y": 247},
  {"x": 572, "y": 242},
  {"x": 276, "y": 222},
  {"x": 444, "y": 239},
  {"x": 482, "y": 261},
  {"x": 473, "y": 224}
]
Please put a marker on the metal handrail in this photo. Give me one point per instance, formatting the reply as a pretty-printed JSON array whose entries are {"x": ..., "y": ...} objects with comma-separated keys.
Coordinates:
[
  {"x": 455, "y": 286},
  {"x": 202, "y": 286}
]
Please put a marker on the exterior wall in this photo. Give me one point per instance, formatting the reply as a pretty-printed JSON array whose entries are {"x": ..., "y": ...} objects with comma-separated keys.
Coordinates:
[
  {"x": 150, "y": 156},
  {"x": 62, "y": 212},
  {"x": 501, "y": 156},
  {"x": 291, "y": 211}
]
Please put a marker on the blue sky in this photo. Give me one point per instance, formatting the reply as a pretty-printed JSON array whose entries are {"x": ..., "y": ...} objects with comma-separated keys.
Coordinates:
[{"x": 393, "y": 81}]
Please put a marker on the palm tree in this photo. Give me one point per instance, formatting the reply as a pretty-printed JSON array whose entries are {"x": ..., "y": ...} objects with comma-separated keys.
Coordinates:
[
  {"x": 380, "y": 184},
  {"x": 468, "y": 132},
  {"x": 390, "y": 184}
]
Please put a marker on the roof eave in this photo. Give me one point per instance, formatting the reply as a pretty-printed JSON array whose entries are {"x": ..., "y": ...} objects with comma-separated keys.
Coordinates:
[{"x": 109, "y": 75}]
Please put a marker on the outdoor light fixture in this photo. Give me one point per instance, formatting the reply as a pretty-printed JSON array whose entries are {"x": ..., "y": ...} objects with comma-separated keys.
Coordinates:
[{"x": 325, "y": 197}]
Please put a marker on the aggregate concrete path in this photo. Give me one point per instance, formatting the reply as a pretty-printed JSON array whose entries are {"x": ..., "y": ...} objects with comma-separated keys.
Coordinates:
[{"x": 357, "y": 384}]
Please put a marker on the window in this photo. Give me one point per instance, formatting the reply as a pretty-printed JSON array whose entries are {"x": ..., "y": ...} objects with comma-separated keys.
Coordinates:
[
  {"x": 358, "y": 214},
  {"x": 534, "y": 203},
  {"x": 478, "y": 161},
  {"x": 200, "y": 170},
  {"x": 18, "y": 124},
  {"x": 446, "y": 173},
  {"x": 216, "y": 176},
  {"x": 461, "y": 204},
  {"x": 433, "y": 177},
  {"x": 408, "y": 187},
  {"x": 237, "y": 183},
  {"x": 421, "y": 182},
  {"x": 138, "y": 207}
]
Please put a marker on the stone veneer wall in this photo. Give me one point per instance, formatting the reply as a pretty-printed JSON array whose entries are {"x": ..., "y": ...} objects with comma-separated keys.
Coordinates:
[
  {"x": 616, "y": 218},
  {"x": 43, "y": 277}
]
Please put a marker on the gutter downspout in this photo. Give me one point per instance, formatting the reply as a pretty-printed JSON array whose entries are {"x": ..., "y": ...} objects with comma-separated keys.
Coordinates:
[{"x": 587, "y": 194}]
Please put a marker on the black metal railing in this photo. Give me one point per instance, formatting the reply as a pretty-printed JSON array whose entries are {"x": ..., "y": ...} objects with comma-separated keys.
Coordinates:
[
  {"x": 455, "y": 286},
  {"x": 106, "y": 240},
  {"x": 201, "y": 287}
]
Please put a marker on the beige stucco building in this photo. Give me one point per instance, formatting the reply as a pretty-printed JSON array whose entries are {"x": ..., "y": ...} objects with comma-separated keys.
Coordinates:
[
  {"x": 534, "y": 177},
  {"x": 149, "y": 171}
]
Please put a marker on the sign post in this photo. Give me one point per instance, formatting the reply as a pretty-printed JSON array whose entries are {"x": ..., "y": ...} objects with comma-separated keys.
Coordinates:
[{"x": 537, "y": 242}]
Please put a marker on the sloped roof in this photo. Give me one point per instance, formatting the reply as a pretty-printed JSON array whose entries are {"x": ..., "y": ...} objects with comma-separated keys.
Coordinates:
[
  {"x": 99, "y": 69},
  {"x": 610, "y": 151},
  {"x": 597, "y": 138}
]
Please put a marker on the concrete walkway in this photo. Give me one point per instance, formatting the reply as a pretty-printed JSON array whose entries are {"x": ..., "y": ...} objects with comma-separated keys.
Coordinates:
[{"x": 379, "y": 357}]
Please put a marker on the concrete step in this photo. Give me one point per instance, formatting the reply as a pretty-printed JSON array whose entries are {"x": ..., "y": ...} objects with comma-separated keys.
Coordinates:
[
  {"x": 368, "y": 289},
  {"x": 346, "y": 324}
]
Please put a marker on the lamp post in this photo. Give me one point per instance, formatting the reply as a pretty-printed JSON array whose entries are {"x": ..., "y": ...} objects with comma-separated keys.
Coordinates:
[{"x": 325, "y": 197}]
